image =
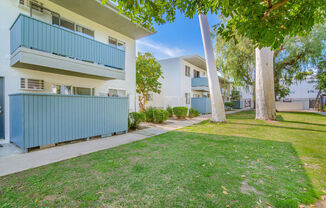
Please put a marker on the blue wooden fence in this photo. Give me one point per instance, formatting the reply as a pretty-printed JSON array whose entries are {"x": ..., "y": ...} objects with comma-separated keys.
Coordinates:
[
  {"x": 203, "y": 104},
  {"x": 41, "y": 119},
  {"x": 32, "y": 33}
]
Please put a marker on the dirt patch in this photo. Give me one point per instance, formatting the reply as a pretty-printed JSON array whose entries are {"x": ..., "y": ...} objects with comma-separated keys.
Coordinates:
[
  {"x": 52, "y": 198},
  {"x": 246, "y": 189}
]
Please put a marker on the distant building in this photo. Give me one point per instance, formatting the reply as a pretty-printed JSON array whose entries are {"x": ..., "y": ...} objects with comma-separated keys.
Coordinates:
[
  {"x": 301, "y": 97},
  {"x": 185, "y": 83}
]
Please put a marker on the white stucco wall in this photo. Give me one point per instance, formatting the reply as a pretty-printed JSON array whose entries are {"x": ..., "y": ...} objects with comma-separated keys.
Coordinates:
[
  {"x": 175, "y": 84},
  {"x": 9, "y": 11},
  {"x": 304, "y": 89}
]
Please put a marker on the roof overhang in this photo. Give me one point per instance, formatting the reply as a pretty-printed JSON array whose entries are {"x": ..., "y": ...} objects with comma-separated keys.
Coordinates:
[
  {"x": 107, "y": 15},
  {"x": 195, "y": 60}
]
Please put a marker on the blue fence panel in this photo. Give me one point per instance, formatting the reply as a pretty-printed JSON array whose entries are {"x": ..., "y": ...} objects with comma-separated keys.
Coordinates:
[
  {"x": 199, "y": 82},
  {"x": 203, "y": 105},
  {"x": 41, "y": 119},
  {"x": 32, "y": 33}
]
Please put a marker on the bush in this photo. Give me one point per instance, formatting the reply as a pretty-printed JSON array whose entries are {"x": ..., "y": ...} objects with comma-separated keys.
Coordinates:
[
  {"x": 180, "y": 112},
  {"x": 160, "y": 115},
  {"x": 134, "y": 119},
  {"x": 149, "y": 114},
  {"x": 170, "y": 110},
  {"x": 229, "y": 104},
  {"x": 193, "y": 112}
]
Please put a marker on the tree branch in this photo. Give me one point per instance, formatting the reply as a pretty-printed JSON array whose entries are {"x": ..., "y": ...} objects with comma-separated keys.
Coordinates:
[
  {"x": 279, "y": 50},
  {"x": 273, "y": 7},
  {"x": 292, "y": 61}
]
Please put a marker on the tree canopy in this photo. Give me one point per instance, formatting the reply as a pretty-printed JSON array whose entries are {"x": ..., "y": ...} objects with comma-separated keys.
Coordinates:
[
  {"x": 296, "y": 58},
  {"x": 236, "y": 61},
  {"x": 265, "y": 22},
  {"x": 148, "y": 73}
]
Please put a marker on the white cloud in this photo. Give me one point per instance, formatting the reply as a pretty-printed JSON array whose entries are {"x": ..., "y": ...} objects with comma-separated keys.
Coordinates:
[{"x": 159, "y": 50}]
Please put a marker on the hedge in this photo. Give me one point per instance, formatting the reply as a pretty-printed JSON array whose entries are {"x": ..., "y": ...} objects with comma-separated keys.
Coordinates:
[
  {"x": 180, "y": 112},
  {"x": 193, "y": 112}
]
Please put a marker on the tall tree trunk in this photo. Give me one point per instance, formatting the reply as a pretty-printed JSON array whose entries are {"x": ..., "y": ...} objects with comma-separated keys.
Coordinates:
[
  {"x": 265, "y": 94},
  {"x": 218, "y": 111},
  {"x": 254, "y": 95}
]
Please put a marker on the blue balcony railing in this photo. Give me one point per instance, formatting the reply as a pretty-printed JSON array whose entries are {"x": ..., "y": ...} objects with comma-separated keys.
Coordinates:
[
  {"x": 32, "y": 33},
  {"x": 199, "y": 82}
]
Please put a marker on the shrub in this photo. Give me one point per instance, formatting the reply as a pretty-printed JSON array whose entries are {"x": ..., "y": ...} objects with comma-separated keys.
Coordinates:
[
  {"x": 160, "y": 115},
  {"x": 170, "y": 110},
  {"x": 134, "y": 119},
  {"x": 193, "y": 112},
  {"x": 229, "y": 104},
  {"x": 180, "y": 112},
  {"x": 149, "y": 114}
]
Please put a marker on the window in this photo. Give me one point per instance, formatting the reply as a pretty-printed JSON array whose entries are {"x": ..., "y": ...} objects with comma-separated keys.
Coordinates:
[
  {"x": 312, "y": 81},
  {"x": 121, "y": 45},
  {"x": 37, "y": 6},
  {"x": 84, "y": 91},
  {"x": 66, "y": 24},
  {"x": 84, "y": 31},
  {"x": 196, "y": 74},
  {"x": 61, "y": 89},
  {"x": 187, "y": 98},
  {"x": 117, "y": 93},
  {"x": 113, "y": 42},
  {"x": 311, "y": 91},
  {"x": 187, "y": 71},
  {"x": 117, "y": 43}
]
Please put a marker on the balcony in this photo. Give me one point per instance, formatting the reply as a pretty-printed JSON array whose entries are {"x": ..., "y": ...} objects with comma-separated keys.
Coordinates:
[
  {"x": 200, "y": 84},
  {"x": 44, "y": 47}
]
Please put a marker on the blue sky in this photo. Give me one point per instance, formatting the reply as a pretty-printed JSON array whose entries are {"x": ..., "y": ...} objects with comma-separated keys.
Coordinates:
[{"x": 181, "y": 37}]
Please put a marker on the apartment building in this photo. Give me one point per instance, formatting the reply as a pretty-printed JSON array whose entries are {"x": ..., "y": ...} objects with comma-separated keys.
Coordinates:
[
  {"x": 185, "y": 83},
  {"x": 67, "y": 48}
]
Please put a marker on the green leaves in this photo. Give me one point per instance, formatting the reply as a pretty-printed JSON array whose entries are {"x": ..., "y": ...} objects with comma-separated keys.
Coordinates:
[
  {"x": 265, "y": 24},
  {"x": 148, "y": 73}
]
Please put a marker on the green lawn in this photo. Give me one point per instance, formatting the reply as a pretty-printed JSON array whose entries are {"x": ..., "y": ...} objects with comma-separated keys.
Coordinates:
[{"x": 242, "y": 163}]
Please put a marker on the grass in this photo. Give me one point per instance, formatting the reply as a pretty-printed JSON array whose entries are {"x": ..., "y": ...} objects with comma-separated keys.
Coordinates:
[{"x": 241, "y": 163}]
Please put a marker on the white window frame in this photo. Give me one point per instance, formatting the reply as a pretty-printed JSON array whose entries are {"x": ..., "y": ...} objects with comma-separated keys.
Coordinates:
[
  {"x": 187, "y": 71},
  {"x": 187, "y": 96},
  {"x": 75, "y": 27},
  {"x": 117, "y": 44}
]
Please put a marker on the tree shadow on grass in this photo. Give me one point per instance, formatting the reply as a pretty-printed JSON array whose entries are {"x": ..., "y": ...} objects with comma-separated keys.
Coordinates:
[
  {"x": 277, "y": 126},
  {"x": 175, "y": 169}
]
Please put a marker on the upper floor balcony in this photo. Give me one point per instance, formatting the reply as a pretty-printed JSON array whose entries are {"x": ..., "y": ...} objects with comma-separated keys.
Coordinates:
[
  {"x": 200, "y": 84},
  {"x": 41, "y": 46}
]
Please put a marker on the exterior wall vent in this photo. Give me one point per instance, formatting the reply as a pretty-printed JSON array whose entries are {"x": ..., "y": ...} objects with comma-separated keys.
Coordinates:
[{"x": 31, "y": 84}]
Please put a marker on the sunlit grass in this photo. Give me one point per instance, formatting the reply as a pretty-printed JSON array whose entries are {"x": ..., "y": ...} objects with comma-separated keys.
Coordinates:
[{"x": 241, "y": 163}]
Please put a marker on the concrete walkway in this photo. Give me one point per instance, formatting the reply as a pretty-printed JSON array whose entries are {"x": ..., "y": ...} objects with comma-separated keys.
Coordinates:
[{"x": 19, "y": 162}]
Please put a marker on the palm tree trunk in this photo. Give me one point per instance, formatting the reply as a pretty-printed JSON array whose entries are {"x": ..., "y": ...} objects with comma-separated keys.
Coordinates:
[{"x": 218, "y": 111}]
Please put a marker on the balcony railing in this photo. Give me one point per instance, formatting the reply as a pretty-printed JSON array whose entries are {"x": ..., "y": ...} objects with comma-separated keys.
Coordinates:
[
  {"x": 199, "y": 82},
  {"x": 32, "y": 33}
]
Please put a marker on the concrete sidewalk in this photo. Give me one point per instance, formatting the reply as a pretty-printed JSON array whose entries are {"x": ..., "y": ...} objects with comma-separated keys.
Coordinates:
[{"x": 19, "y": 162}]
